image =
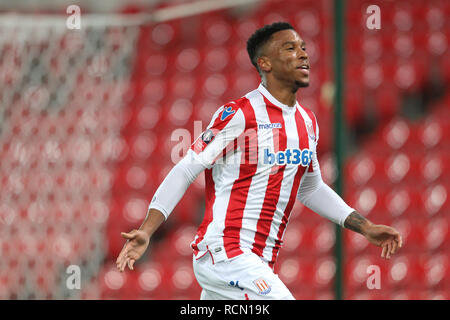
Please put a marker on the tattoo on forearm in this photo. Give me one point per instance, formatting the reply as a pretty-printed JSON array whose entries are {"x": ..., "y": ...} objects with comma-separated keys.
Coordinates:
[{"x": 355, "y": 221}]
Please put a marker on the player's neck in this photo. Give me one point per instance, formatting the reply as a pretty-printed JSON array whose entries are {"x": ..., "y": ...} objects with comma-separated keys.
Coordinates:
[{"x": 281, "y": 92}]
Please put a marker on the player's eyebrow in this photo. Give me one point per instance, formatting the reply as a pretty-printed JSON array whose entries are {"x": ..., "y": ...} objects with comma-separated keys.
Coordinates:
[
  {"x": 302, "y": 43},
  {"x": 288, "y": 42}
]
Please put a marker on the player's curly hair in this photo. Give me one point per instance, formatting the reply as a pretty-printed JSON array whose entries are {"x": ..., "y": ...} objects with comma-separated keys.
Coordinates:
[{"x": 261, "y": 36}]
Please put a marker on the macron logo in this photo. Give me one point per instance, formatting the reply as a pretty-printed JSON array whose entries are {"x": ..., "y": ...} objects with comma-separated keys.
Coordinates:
[
  {"x": 290, "y": 156},
  {"x": 270, "y": 126}
]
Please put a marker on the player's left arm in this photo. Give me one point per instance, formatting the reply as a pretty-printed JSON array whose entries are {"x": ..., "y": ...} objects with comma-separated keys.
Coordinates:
[
  {"x": 320, "y": 198},
  {"x": 380, "y": 235},
  {"x": 315, "y": 194}
]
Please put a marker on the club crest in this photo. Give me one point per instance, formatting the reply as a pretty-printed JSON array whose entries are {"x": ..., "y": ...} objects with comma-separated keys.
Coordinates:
[{"x": 262, "y": 285}]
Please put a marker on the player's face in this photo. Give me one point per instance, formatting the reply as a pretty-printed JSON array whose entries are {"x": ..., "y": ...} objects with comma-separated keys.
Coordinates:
[{"x": 288, "y": 58}]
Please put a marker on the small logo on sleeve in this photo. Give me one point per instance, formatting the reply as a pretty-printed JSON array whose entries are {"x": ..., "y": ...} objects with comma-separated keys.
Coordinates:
[
  {"x": 207, "y": 136},
  {"x": 228, "y": 111},
  {"x": 310, "y": 129},
  {"x": 202, "y": 141}
]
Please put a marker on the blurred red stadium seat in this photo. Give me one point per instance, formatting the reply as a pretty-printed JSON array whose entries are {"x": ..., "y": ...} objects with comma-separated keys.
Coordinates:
[
  {"x": 406, "y": 271},
  {"x": 66, "y": 171},
  {"x": 437, "y": 270}
]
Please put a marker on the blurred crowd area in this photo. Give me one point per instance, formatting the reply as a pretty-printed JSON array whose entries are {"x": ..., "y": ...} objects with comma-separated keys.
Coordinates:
[{"x": 89, "y": 121}]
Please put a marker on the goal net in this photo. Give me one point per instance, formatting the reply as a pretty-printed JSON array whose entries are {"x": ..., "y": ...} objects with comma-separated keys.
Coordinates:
[{"x": 62, "y": 93}]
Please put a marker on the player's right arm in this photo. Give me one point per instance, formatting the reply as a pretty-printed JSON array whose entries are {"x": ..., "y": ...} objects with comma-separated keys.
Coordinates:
[
  {"x": 138, "y": 240},
  {"x": 226, "y": 125},
  {"x": 164, "y": 201}
]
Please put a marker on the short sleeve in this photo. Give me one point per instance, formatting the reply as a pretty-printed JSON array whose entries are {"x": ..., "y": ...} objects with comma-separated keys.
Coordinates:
[{"x": 227, "y": 124}]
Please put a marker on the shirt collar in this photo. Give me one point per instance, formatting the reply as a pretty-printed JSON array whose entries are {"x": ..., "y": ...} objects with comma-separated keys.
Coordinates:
[{"x": 274, "y": 101}]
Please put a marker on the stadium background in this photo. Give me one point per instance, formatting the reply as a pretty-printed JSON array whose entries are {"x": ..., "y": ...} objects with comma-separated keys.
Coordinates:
[{"x": 89, "y": 121}]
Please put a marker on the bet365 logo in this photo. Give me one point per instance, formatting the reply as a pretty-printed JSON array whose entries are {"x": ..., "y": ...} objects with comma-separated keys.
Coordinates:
[{"x": 289, "y": 156}]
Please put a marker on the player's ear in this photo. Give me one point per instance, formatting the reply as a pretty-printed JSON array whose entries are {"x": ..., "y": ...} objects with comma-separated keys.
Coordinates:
[{"x": 264, "y": 64}]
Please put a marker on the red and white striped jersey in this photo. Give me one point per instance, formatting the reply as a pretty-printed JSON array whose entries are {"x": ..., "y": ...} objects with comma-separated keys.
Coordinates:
[{"x": 256, "y": 151}]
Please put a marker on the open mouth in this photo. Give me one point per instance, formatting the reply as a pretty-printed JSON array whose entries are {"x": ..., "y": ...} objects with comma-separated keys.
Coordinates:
[{"x": 304, "y": 69}]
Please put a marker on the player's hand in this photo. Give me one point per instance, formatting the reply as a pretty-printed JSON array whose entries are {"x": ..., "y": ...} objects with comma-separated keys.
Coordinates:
[
  {"x": 386, "y": 237},
  {"x": 134, "y": 248}
]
